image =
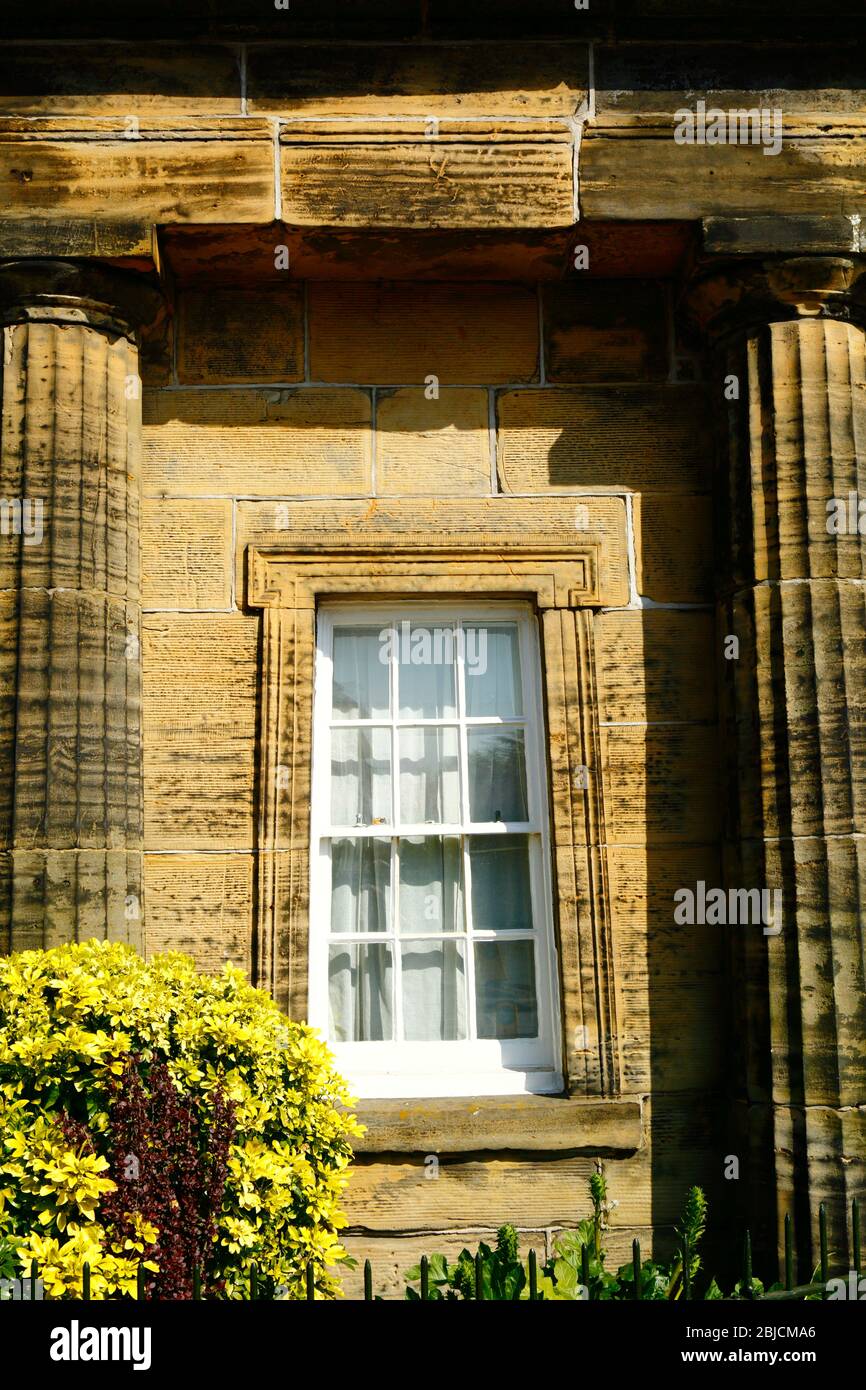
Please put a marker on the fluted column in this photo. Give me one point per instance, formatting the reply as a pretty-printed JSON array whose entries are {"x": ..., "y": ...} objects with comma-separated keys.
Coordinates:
[
  {"x": 70, "y": 669},
  {"x": 791, "y": 368}
]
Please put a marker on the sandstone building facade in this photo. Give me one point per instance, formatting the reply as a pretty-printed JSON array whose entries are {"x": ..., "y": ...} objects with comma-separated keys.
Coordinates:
[{"x": 541, "y": 321}]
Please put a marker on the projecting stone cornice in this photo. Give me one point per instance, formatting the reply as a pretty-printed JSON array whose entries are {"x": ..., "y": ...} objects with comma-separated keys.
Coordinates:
[
  {"x": 557, "y": 571},
  {"x": 518, "y": 173}
]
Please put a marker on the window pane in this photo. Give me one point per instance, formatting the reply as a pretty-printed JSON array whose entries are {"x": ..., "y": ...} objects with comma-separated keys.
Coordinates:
[
  {"x": 426, "y": 671},
  {"x": 361, "y": 776},
  {"x": 499, "y": 873},
  {"x": 429, "y": 777},
  {"x": 430, "y": 891},
  {"x": 434, "y": 991},
  {"x": 361, "y": 673},
  {"x": 505, "y": 990},
  {"x": 360, "y": 984},
  {"x": 497, "y": 775},
  {"x": 360, "y": 885},
  {"x": 492, "y": 664}
]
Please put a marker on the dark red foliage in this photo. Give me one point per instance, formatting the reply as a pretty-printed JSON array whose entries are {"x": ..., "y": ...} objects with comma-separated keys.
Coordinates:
[{"x": 170, "y": 1164}]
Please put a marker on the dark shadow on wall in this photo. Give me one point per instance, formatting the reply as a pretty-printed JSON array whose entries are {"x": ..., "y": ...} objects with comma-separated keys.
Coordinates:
[{"x": 666, "y": 788}]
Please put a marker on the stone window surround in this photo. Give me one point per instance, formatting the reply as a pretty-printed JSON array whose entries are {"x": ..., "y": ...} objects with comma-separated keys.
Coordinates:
[{"x": 558, "y": 573}]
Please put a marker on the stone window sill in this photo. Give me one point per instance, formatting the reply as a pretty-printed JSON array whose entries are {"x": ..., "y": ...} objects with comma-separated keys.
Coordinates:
[{"x": 475, "y": 1124}]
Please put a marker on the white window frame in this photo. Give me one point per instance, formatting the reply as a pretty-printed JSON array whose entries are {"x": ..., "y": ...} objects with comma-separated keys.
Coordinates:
[{"x": 468, "y": 1067}]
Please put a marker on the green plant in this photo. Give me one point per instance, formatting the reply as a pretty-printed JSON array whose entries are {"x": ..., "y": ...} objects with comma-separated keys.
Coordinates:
[
  {"x": 73, "y": 1021},
  {"x": 576, "y": 1269},
  {"x": 502, "y": 1275}
]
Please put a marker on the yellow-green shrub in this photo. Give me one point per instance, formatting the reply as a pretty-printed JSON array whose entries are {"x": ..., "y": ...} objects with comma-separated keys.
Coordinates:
[{"x": 71, "y": 1019}]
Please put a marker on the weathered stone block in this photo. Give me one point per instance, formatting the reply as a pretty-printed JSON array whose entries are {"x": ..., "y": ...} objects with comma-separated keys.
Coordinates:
[
  {"x": 186, "y": 553},
  {"x": 199, "y": 171},
  {"x": 635, "y": 437},
  {"x": 393, "y": 175},
  {"x": 656, "y": 666},
  {"x": 199, "y": 754},
  {"x": 200, "y": 904},
  {"x": 661, "y": 784},
  {"x": 399, "y": 79},
  {"x": 673, "y": 539},
  {"x": 598, "y": 330},
  {"x": 429, "y": 447},
  {"x": 395, "y": 334},
  {"x": 135, "y": 79},
  {"x": 237, "y": 336},
  {"x": 258, "y": 523},
  {"x": 262, "y": 443}
]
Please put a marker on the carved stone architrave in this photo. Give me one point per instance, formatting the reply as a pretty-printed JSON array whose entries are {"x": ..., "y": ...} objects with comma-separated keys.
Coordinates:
[{"x": 559, "y": 575}]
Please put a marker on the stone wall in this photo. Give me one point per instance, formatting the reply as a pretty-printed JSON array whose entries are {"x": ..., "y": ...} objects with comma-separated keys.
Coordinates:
[
  {"x": 436, "y": 268},
  {"x": 557, "y": 408}
]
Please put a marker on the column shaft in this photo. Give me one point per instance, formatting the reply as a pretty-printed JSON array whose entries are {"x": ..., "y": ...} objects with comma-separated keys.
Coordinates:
[
  {"x": 793, "y": 594},
  {"x": 70, "y": 670}
]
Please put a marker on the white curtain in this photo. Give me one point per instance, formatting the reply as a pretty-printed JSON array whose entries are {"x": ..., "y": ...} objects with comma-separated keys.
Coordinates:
[
  {"x": 360, "y": 988},
  {"x": 360, "y": 884},
  {"x": 426, "y": 679},
  {"x": 434, "y": 991},
  {"x": 361, "y": 680},
  {"x": 431, "y": 896},
  {"x": 492, "y": 666},
  {"x": 432, "y": 971},
  {"x": 361, "y": 776},
  {"x": 429, "y": 776}
]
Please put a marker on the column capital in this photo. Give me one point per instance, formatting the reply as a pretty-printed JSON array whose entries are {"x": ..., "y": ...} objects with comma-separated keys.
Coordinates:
[
  {"x": 726, "y": 296},
  {"x": 119, "y": 302}
]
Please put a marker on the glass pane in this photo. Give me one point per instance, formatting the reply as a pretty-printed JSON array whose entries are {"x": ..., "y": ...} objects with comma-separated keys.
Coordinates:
[
  {"x": 505, "y": 990},
  {"x": 430, "y": 891},
  {"x": 361, "y": 672},
  {"x": 361, "y": 776},
  {"x": 426, "y": 671},
  {"x": 360, "y": 885},
  {"x": 492, "y": 664},
  {"x": 497, "y": 775},
  {"x": 360, "y": 985},
  {"x": 429, "y": 777},
  {"x": 499, "y": 873},
  {"x": 434, "y": 991}
]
